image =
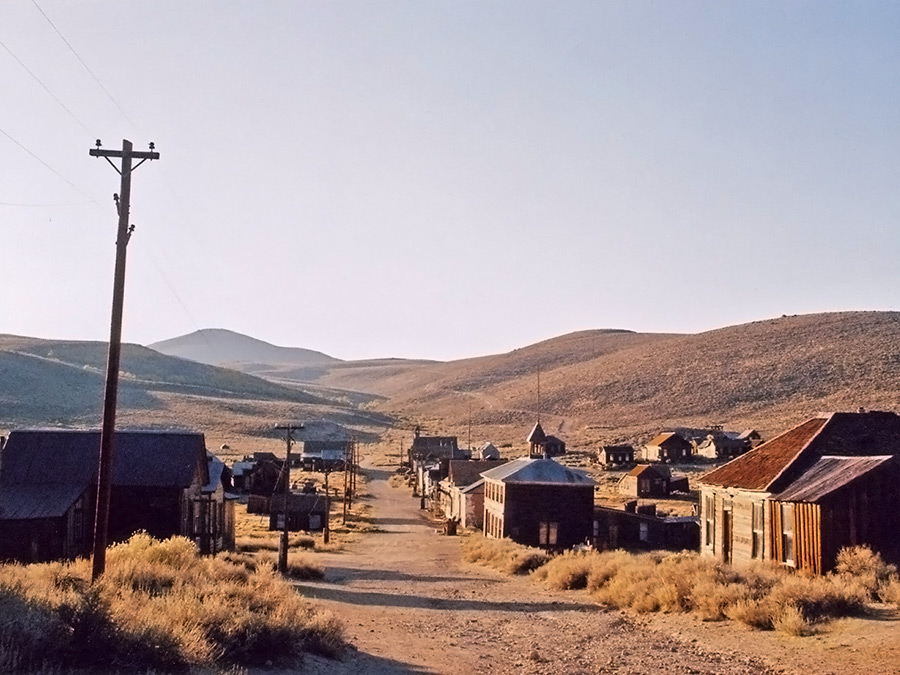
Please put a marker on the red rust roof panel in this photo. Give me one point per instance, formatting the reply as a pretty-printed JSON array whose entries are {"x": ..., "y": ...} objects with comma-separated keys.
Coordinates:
[{"x": 758, "y": 468}]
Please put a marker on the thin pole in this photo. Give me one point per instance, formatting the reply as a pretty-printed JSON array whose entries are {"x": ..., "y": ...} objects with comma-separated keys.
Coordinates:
[
  {"x": 327, "y": 531},
  {"x": 110, "y": 394},
  {"x": 286, "y": 489}
]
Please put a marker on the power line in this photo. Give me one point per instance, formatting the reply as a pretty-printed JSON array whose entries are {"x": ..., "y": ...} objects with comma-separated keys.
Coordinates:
[
  {"x": 50, "y": 168},
  {"x": 44, "y": 86},
  {"x": 86, "y": 67}
]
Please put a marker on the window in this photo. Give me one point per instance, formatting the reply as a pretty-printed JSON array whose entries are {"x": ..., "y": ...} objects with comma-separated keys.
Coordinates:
[
  {"x": 547, "y": 531},
  {"x": 787, "y": 534},
  {"x": 709, "y": 508},
  {"x": 757, "y": 542},
  {"x": 644, "y": 533}
]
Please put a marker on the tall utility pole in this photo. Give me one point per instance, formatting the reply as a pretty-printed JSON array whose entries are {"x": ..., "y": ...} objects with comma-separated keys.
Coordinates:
[
  {"x": 286, "y": 490},
  {"x": 107, "y": 431}
]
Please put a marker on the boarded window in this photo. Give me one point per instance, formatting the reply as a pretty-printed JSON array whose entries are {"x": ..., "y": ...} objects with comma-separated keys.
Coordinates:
[
  {"x": 644, "y": 532},
  {"x": 547, "y": 533},
  {"x": 710, "y": 513}
]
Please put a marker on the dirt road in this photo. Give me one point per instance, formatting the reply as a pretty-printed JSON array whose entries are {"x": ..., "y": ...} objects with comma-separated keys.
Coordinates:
[{"x": 411, "y": 605}]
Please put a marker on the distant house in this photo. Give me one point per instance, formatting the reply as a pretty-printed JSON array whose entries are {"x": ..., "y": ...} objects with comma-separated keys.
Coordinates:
[
  {"x": 162, "y": 482},
  {"x": 323, "y": 455},
  {"x": 667, "y": 447},
  {"x": 538, "y": 502},
  {"x": 616, "y": 455},
  {"x": 265, "y": 474},
  {"x": 830, "y": 482},
  {"x": 488, "y": 451},
  {"x": 426, "y": 448},
  {"x": 646, "y": 480},
  {"x": 636, "y": 527},
  {"x": 544, "y": 445},
  {"x": 306, "y": 512},
  {"x": 722, "y": 445}
]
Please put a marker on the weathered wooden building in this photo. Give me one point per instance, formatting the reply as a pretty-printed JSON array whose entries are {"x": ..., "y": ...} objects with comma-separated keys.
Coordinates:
[
  {"x": 305, "y": 512},
  {"x": 613, "y": 456},
  {"x": 830, "y": 482},
  {"x": 538, "y": 502},
  {"x": 722, "y": 445},
  {"x": 667, "y": 447},
  {"x": 459, "y": 496},
  {"x": 639, "y": 528},
  {"x": 320, "y": 455},
  {"x": 162, "y": 482},
  {"x": 646, "y": 480}
]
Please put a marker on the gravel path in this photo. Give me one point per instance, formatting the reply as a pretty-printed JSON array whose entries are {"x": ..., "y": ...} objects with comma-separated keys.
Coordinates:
[{"x": 411, "y": 605}]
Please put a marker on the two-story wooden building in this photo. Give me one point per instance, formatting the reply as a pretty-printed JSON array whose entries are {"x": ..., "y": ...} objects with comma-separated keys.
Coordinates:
[{"x": 538, "y": 502}]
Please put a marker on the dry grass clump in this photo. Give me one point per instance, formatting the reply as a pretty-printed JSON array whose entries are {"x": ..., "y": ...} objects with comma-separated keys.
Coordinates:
[
  {"x": 762, "y": 596},
  {"x": 158, "y": 606},
  {"x": 503, "y": 554}
]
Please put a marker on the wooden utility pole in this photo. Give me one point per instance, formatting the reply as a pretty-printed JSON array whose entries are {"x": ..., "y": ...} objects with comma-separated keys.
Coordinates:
[
  {"x": 327, "y": 531},
  {"x": 107, "y": 431},
  {"x": 346, "y": 483},
  {"x": 286, "y": 491}
]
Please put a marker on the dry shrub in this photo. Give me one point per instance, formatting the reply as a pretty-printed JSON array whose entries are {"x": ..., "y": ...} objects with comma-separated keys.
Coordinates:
[
  {"x": 757, "y": 613},
  {"x": 819, "y": 598},
  {"x": 158, "y": 606},
  {"x": 890, "y": 591},
  {"x": 302, "y": 541},
  {"x": 865, "y": 568},
  {"x": 567, "y": 571},
  {"x": 302, "y": 568},
  {"x": 503, "y": 554},
  {"x": 791, "y": 621},
  {"x": 254, "y": 544}
]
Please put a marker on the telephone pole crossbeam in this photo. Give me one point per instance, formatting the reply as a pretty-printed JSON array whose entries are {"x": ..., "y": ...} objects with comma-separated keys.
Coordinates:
[{"x": 104, "y": 472}]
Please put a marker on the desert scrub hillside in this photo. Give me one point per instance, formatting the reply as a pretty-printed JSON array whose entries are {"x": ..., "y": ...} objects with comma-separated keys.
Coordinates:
[
  {"x": 766, "y": 374},
  {"x": 764, "y": 597},
  {"x": 159, "y": 606}
]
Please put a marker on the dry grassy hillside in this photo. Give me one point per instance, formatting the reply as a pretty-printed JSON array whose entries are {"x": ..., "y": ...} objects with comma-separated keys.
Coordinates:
[
  {"x": 60, "y": 383},
  {"x": 766, "y": 374}
]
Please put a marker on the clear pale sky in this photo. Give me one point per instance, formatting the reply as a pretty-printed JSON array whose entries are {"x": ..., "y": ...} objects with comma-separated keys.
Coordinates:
[{"x": 448, "y": 179}]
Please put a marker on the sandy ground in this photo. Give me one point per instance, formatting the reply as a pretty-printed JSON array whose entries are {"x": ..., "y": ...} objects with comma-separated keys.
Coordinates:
[{"x": 412, "y": 605}]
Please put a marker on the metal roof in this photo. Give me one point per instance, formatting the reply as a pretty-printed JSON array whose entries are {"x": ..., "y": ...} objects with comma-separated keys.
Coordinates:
[
  {"x": 28, "y": 502},
  {"x": 544, "y": 471},
  {"x": 828, "y": 474},
  {"x": 70, "y": 457},
  {"x": 756, "y": 469},
  {"x": 774, "y": 465}
]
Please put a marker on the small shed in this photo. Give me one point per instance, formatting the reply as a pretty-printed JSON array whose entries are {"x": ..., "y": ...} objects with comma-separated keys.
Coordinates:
[
  {"x": 488, "y": 451},
  {"x": 646, "y": 480},
  {"x": 635, "y": 528}
]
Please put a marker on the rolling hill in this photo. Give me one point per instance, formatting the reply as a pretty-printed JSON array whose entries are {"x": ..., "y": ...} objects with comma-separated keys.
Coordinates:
[
  {"x": 603, "y": 385},
  {"x": 53, "y": 382}
]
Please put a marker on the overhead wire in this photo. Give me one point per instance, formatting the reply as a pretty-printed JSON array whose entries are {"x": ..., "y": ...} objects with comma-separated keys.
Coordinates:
[
  {"x": 85, "y": 65},
  {"x": 44, "y": 86},
  {"x": 50, "y": 168}
]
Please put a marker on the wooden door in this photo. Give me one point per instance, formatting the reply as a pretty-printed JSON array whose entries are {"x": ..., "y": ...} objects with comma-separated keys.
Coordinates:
[{"x": 726, "y": 536}]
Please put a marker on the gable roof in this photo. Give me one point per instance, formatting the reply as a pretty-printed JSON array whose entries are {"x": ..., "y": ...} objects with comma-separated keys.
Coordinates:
[
  {"x": 641, "y": 469},
  {"x": 538, "y": 471},
  {"x": 666, "y": 436},
  {"x": 537, "y": 434},
  {"x": 829, "y": 474},
  {"x": 70, "y": 457},
  {"x": 774, "y": 464}
]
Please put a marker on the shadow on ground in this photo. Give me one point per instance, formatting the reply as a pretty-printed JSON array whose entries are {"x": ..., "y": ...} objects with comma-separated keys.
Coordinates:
[
  {"x": 353, "y": 597},
  {"x": 341, "y": 574}
]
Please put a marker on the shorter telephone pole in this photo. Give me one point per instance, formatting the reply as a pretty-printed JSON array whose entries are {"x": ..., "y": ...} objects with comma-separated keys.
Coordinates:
[
  {"x": 286, "y": 490},
  {"x": 327, "y": 532}
]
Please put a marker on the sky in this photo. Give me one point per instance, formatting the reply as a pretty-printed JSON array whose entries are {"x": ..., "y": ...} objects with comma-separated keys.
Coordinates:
[{"x": 429, "y": 179}]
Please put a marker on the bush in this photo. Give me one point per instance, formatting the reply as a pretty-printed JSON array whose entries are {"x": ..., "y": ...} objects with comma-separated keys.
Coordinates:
[
  {"x": 503, "y": 554},
  {"x": 865, "y": 568},
  {"x": 158, "y": 606}
]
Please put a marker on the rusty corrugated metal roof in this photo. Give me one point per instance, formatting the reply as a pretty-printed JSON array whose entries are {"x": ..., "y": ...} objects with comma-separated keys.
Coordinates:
[
  {"x": 757, "y": 469},
  {"x": 829, "y": 474}
]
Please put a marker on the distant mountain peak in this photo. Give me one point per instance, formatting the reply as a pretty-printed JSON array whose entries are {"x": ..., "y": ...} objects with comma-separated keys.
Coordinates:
[{"x": 221, "y": 346}]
